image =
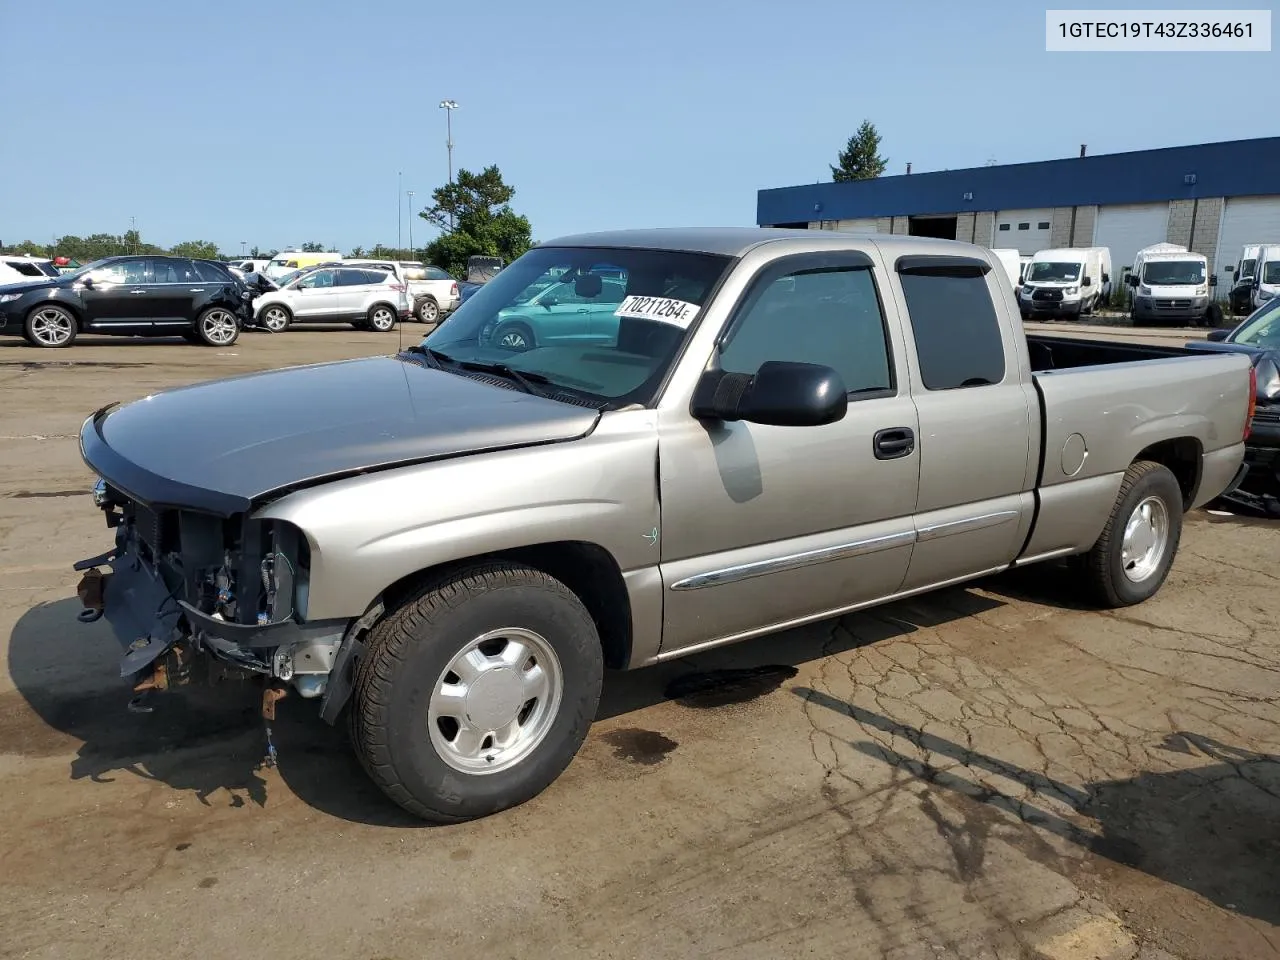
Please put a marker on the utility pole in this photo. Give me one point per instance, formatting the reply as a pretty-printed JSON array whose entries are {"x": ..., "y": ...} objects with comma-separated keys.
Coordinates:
[
  {"x": 133, "y": 229},
  {"x": 410, "y": 192},
  {"x": 448, "y": 106},
  {"x": 399, "y": 209},
  {"x": 243, "y": 244}
]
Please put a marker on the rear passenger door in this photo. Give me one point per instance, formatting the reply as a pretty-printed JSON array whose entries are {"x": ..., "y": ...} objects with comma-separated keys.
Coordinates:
[
  {"x": 354, "y": 288},
  {"x": 979, "y": 419},
  {"x": 173, "y": 287}
]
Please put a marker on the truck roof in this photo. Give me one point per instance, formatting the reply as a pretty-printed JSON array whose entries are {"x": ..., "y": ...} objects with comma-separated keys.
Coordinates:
[{"x": 726, "y": 241}]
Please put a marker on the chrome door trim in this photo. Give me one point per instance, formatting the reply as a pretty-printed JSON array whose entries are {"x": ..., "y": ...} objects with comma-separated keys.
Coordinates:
[
  {"x": 937, "y": 530},
  {"x": 760, "y": 568}
]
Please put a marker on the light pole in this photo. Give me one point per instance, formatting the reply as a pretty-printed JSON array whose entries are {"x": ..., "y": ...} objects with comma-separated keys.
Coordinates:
[
  {"x": 448, "y": 106},
  {"x": 410, "y": 192},
  {"x": 399, "y": 210},
  {"x": 243, "y": 244},
  {"x": 133, "y": 229}
]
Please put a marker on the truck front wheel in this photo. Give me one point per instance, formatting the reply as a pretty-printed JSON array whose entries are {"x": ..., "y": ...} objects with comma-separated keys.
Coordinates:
[
  {"x": 476, "y": 693},
  {"x": 1131, "y": 559}
]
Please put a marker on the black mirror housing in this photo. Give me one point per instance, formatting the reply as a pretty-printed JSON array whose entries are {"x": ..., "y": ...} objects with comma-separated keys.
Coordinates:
[
  {"x": 1217, "y": 336},
  {"x": 1133, "y": 280},
  {"x": 1087, "y": 282},
  {"x": 588, "y": 285},
  {"x": 781, "y": 393},
  {"x": 1213, "y": 279}
]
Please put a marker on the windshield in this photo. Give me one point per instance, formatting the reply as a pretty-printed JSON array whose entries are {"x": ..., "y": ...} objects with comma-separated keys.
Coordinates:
[
  {"x": 1044, "y": 271},
  {"x": 1170, "y": 273},
  {"x": 1262, "y": 327},
  {"x": 1271, "y": 272},
  {"x": 1246, "y": 269},
  {"x": 605, "y": 325}
]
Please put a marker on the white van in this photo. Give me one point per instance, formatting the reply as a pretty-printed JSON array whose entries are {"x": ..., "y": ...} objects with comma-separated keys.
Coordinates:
[
  {"x": 1240, "y": 296},
  {"x": 1009, "y": 258},
  {"x": 1266, "y": 282},
  {"x": 1170, "y": 283},
  {"x": 1066, "y": 282}
]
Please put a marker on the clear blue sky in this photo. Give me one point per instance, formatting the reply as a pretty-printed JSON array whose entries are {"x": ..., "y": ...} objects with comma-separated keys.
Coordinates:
[{"x": 287, "y": 121}]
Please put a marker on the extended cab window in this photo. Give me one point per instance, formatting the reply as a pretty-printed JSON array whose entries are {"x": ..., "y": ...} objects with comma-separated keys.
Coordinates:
[
  {"x": 827, "y": 315},
  {"x": 954, "y": 322}
]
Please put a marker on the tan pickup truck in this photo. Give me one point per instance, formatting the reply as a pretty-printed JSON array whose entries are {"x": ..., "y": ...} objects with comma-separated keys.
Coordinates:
[{"x": 698, "y": 436}]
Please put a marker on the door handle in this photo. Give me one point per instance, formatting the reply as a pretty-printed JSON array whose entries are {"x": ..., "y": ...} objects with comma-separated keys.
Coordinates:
[
  {"x": 893, "y": 442},
  {"x": 136, "y": 292},
  {"x": 584, "y": 309},
  {"x": 196, "y": 290}
]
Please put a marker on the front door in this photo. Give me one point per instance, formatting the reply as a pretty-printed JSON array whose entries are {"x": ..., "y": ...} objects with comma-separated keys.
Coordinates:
[
  {"x": 767, "y": 525},
  {"x": 316, "y": 297},
  {"x": 979, "y": 420},
  {"x": 115, "y": 293}
]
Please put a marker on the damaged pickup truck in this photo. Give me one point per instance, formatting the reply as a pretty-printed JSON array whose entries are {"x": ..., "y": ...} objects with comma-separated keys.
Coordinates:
[{"x": 698, "y": 436}]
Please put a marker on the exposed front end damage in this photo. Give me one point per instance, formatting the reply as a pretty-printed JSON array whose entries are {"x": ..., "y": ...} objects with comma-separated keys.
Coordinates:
[{"x": 198, "y": 598}]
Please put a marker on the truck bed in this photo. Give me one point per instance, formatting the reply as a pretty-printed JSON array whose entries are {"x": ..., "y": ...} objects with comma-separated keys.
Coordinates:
[{"x": 1062, "y": 353}]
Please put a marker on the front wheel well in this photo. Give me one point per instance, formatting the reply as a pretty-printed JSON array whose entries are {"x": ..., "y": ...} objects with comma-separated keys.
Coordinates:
[
  {"x": 587, "y": 569},
  {"x": 71, "y": 308},
  {"x": 1183, "y": 457}
]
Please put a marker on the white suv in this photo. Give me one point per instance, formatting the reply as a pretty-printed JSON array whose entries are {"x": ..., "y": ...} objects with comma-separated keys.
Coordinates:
[
  {"x": 432, "y": 292},
  {"x": 365, "y": 297},
  {"x": 20, "y": 268}
]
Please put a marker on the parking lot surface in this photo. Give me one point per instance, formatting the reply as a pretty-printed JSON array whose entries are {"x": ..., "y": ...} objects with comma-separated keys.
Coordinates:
[{"x": 987, "y": 772}]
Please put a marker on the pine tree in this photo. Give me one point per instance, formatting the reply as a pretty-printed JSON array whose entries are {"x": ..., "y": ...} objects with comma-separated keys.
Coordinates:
[{"x": 860, "y": 159}]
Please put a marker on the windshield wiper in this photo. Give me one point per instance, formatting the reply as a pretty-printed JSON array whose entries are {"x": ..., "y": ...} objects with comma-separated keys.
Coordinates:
[
  {"x": 525, "y": 381},
  {"x": 434, "y": 358}
]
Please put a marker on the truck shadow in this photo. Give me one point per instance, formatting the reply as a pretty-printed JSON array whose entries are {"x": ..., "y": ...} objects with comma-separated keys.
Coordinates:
[
  {"x": 210, "y": 742},
  {"x": 1213, "y": 829}
]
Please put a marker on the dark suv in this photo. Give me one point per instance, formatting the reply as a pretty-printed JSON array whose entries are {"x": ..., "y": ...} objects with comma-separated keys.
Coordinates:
[{"x": 136, "y": 296}]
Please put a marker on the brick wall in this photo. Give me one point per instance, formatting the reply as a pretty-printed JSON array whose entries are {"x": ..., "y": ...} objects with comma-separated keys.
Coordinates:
[
  {"x": 984, "y": 227},
  {"x": 1060, "y": 227},
  {"x": 884, "y": 225},
  {"x": 901, "y": 226},
  {"x": 1179, "y": 230},
  {"x": 1086, "y": 216},
  {"x": 1204, "y": 238}
]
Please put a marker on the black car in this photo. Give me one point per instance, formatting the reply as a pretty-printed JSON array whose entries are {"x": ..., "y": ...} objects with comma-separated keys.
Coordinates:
[
  {"x": 1258, "y": 335},
  {"x": 133, "y": 296}
]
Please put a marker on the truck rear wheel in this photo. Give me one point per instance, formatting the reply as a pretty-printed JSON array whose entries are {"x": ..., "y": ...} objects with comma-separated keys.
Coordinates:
[
  {"x": 1131, "y": 559},
  {"x": 475, "y": 694}
]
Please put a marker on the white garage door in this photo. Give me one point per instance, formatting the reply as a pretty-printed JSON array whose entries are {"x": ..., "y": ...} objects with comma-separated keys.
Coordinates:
[
  {"x": 1024, "y": 230},
  {"x": 1246, "y": 220},
  {"x": 1127, "y": 228}
]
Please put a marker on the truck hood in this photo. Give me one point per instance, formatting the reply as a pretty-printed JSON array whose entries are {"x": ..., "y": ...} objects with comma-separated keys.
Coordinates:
[{"x": 219, "y": 447}]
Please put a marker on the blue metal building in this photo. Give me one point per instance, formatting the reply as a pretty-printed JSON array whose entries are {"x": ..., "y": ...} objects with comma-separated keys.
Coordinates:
[{"x": 1212, "y": 197}]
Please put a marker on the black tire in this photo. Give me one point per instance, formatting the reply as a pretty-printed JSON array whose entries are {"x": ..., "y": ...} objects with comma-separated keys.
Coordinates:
[
  {"x": 1214, "y": 316},
  {"x": 428, "y": 311},
  {"x": 410, "y": 652},
  {"x": 381, "y": 318},
  {"x": 277, "y": 318},
  {"x": 1104, "y": 566},
  {"x": 217, "y": 327},
  {"x": 519, "y": 335},
  {"x": 51, "y": 326}
]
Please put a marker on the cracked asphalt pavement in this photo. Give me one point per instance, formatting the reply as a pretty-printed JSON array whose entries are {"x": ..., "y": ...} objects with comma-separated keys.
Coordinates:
[{"x": 987, "y": 772}]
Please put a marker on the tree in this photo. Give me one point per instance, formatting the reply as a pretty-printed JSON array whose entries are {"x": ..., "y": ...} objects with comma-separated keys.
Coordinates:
[
  {"x": 860, "y": 159},
  {"x": 475, "y": 217},
  {"x": 313, "y": 247},
  {"x": 356, "y": 253},
  {"x": 196, "y": 250}
]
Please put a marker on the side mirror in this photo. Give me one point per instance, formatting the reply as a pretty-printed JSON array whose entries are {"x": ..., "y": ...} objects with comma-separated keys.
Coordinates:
[
  {"x": 588, "y": 285},
  {"x": 780, "y": 393},
  {"x": 1106, "y": 278},
  {"x": 1213, "y": 279},
  {"x": 1133, "y": 280},
  {"x": 548, "y": 302},
  {"x": 1217, "y": 336},
  {"x": 1087, "y": 282}
]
